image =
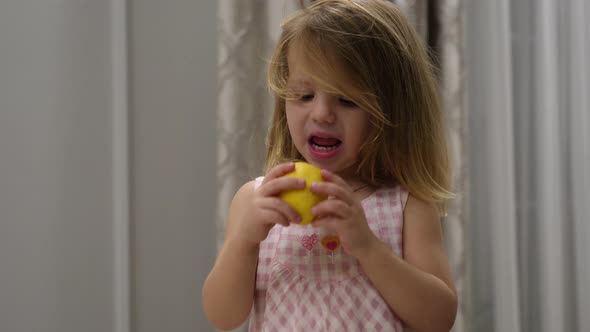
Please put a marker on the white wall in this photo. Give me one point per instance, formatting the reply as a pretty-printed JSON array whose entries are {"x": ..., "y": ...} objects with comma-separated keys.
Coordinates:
[
  {"x": 63, "y": 164},
  {"x": 173, "y": 80},
  {"x": 56, "y": 213}
]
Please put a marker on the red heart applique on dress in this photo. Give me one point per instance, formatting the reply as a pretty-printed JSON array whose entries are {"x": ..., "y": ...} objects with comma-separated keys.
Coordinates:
[
  {"x": 331, "y": 243},
  {"x": 309, "y": 241}
]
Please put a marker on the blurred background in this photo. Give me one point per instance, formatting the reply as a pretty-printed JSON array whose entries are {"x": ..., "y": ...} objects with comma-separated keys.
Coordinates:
[{"x": 126, "y": 127}]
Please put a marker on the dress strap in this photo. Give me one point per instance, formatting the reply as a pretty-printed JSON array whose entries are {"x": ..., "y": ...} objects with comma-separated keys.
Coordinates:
[
  {"x": 403, "y": 195},
  {"x": 258, "y": 182}
]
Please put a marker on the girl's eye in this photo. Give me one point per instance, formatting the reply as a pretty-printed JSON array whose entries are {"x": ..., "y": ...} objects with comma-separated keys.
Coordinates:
[
  {"x": 346, "y": 102},
  {"x": 308, "y": 97}
]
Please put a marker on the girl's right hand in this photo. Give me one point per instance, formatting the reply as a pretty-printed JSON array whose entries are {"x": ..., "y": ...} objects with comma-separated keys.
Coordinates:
[{"x": 266, "y": 208}]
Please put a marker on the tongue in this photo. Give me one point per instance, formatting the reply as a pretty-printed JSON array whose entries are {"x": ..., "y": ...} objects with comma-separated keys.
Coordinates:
[{"x": 325, "y": 141}]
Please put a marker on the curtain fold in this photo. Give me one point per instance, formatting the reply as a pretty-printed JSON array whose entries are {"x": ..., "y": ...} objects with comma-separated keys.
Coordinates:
[
  {"x": 243, "y": 100},
  {"x": 492, "y": 212},
  {"x": 527, "y": 86},
  {"x": 579, "y": 159},
  {"x": 445, "y": 26},
  {"x": 549, "y": 166}
]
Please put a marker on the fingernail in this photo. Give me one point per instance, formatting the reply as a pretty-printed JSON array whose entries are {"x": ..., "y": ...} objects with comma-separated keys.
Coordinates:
[{"x": 297, "y": 220}]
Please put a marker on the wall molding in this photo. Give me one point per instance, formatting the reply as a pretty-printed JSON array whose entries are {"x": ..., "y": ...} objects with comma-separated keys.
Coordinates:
[{"x": 120, "y": 185}]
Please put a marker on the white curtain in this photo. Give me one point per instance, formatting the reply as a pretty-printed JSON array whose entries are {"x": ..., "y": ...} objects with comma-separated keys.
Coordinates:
[
  {"x": 247, "y": 30},
  {"x": 449, "y": 44},
  {"x": 527, "y": 86}
]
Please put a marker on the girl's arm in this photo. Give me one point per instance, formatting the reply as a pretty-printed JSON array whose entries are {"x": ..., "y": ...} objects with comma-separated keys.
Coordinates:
[
  {"x": 228, "y": 291},
  {"x": 419, "y": 288}
]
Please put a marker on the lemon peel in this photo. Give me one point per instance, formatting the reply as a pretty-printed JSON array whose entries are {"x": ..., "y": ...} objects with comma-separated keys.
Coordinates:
[{"x": 302, "y": 200}]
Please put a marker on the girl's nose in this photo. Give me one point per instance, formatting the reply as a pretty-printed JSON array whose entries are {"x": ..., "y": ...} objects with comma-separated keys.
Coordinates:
[{"x": 322, "y": 110}]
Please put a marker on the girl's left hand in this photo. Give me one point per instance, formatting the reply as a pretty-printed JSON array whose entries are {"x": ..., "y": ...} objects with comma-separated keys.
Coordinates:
[{"x": 342, "y": 213}]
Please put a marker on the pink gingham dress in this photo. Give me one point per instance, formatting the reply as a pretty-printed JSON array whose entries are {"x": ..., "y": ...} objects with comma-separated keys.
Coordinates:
[{"x": 304, "y": 282}]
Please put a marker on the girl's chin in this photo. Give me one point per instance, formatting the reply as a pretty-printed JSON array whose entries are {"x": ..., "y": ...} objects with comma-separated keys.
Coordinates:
[{"x": 344, "y": 171}]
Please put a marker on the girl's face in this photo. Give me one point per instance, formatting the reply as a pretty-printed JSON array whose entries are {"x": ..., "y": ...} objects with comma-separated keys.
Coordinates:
[{"x": 328, "y": 130}]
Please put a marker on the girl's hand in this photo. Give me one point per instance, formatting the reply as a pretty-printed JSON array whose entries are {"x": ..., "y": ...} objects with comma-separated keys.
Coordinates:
[
  {"x": 266, "y": 209},
  {"x": 343, "y": 214}
]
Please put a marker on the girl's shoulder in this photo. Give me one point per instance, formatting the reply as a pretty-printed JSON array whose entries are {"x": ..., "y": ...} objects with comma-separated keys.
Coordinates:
[{"x": 243, "y": 195}]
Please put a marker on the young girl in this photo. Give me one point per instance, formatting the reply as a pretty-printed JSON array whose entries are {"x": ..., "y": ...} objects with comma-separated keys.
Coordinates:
[{"x": 355, "y": 96}]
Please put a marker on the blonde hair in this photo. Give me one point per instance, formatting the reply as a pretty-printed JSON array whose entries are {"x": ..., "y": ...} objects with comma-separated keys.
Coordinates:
[{"x": 367, "y": 51}]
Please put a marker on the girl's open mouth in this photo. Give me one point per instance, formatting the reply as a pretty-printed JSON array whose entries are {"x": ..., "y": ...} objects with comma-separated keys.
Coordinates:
[{"x": 324, "y": 147}]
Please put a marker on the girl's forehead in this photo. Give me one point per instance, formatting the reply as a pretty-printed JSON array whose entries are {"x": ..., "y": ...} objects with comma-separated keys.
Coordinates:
[
  {"x": 300, "y": 68},
  {"x": 306, "y": 71},
  {"x": 299, "y": 77}
]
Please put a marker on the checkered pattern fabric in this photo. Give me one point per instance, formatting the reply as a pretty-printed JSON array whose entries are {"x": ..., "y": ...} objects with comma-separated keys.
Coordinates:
[{"x": 303, "y": 286}]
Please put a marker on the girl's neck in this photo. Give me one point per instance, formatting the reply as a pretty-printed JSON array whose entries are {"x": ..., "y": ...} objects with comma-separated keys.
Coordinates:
[
  {"x": 363, "y": 192},
  {"x": 360, "y": 189}
]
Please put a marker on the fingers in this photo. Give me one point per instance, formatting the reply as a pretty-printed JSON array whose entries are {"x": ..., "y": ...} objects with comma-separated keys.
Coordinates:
[
  {"x": 278, "y": 171},
  {"x": 331, "y": 177},
  {"x": 331, "y": 207},
  {"x": 326, "y": 222},
  {"x": 333, "y": 186},
  {"x": 273, "y": 209},
  {"x": 285, "y": 214},
  {"x": 275, "y": 182},
  {"x": 276, "y": 186},
  {"x": 334, "y": 190},
  {"x": 276, "y": 216}
]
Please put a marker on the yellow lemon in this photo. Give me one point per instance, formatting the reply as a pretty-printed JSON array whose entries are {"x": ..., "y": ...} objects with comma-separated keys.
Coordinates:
[{"x": 302, "y": 200}]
